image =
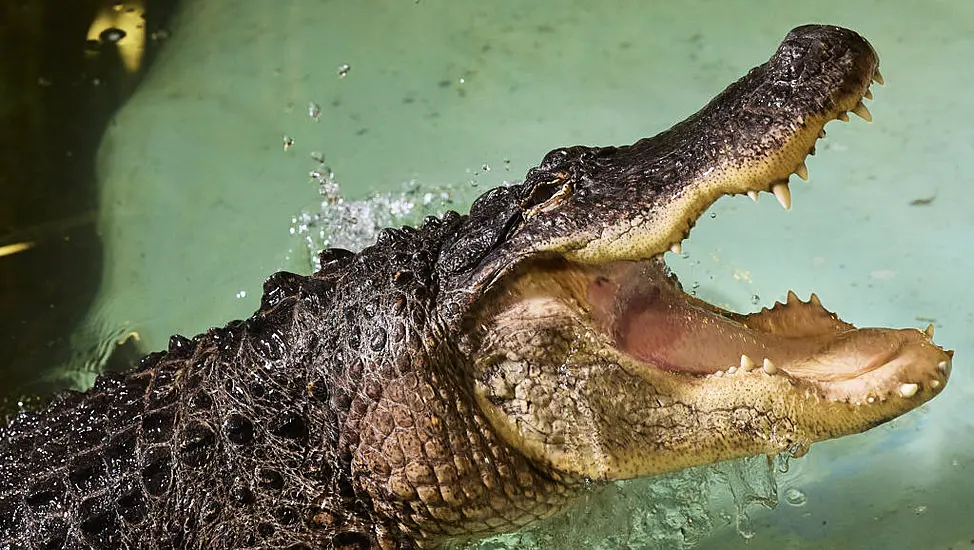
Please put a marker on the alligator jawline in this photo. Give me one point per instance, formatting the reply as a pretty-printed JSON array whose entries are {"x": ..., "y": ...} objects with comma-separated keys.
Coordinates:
[
  {"x": 639, "y": 310},
  {"x": 652, "y": 320}
]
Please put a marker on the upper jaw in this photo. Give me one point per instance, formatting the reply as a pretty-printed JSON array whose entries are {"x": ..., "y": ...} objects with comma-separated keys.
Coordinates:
[
  {"x": 602, "y": 204},
  {"x": 597, "y": 205}
]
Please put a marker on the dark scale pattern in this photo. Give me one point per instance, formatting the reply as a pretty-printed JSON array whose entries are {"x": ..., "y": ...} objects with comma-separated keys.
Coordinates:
[
  {"x": 330, "y": 418},
  {"x": 342, "y": 413}
]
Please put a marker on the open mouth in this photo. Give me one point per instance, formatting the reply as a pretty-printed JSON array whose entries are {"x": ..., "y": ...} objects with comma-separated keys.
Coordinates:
[
  {"x": 638, "y": 308},
  {"x": 592, "y": 359},
  {"x": 648, "y": 316}
]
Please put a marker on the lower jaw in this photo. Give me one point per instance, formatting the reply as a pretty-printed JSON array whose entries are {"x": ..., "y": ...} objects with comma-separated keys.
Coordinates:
[
  {"x": 653, "y": 321},
  {"x": 648, "y": 315}
]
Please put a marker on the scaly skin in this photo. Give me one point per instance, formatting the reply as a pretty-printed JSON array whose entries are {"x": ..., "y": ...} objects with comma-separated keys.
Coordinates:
[{"x": 469, "y": 376}]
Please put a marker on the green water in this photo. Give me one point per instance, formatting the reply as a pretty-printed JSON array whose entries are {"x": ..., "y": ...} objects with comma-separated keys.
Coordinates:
[{"x": 201, "y": 201}]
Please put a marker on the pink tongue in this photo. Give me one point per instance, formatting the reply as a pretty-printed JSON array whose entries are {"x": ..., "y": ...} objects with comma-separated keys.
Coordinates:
[
  {"x": 685, "y": 338},
  {"x": 660, "y": 325}
]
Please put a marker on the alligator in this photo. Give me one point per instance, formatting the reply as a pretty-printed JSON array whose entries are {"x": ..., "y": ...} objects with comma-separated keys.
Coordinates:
[{"x": 480, "y": 372}]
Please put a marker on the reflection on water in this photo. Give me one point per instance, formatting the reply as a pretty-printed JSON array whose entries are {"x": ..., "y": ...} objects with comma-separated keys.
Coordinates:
[{"x": 64, "y": 68}]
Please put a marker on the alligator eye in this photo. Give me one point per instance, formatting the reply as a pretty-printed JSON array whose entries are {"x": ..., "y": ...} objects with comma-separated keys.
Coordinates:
[{"x": 548, "y": 194}]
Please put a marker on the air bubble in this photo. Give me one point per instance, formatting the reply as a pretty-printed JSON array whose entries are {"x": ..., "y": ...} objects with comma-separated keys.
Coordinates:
[
  {"x": 795, "y": 497},
  {"x": 111, "y": 35}
]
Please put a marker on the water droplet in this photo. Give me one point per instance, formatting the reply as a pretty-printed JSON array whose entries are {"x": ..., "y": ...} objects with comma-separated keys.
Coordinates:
[
  {"x": 744, "y": 527},
  {"x": 795, "y": 497},
  {"x": 784, "y": 463},
  {"x": 112, "y": 35}
]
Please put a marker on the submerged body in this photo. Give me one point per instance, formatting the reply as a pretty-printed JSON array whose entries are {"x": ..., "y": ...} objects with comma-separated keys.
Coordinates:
[{"x": 469, "y": 376}]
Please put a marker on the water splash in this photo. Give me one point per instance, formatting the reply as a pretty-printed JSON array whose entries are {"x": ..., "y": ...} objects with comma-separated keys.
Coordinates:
[
  {"x": 674, "y": 511},
  {"x": 353, "y": 224},
  {"x": 750, "y": 481}
]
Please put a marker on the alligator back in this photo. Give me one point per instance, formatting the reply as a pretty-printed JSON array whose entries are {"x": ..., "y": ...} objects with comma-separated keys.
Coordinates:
[
  {"x": 225, "y": 440},
  {"x": 243, "y": 436}
]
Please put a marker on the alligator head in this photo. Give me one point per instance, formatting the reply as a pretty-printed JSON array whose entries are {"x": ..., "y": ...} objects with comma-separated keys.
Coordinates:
[{"x": 590, "y": 358}]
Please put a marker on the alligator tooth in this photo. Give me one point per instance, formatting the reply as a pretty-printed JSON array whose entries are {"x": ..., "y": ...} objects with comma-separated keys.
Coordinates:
[
  {"x": 792, "y": 297},
  {"x": 878, "y": 77},
  {"x": 929, "y": 331},
  {"x": 935, "y": 384},
  {"x": 746, "y": 363},
  {"x": 909, "y": 390},
  {"x": 802, "y": 170},
  {"x": 753, "y": 195},
  {"x": 676, "y": 248},
  {"x": 844, "y": 117},
  {"x": 821, "y": 133},
  {"x": 731, "y": 369},
  {"x": 868, "y": 94},
  {"x": 769, "y": 367},
  {"x": 719, "y": 374},
  {"x": 861, "y": 110},
  {"x": 812, "y": 150},
  {"x": 870, "y": 399},
  {"x": 813, "y": 299},
  {"x": 783, "y": 194},
  {"x": 944, "y": 367}
]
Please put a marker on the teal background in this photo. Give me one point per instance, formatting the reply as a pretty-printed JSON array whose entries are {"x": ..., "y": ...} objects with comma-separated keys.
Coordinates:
[{"x": 200, "y": 200}]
